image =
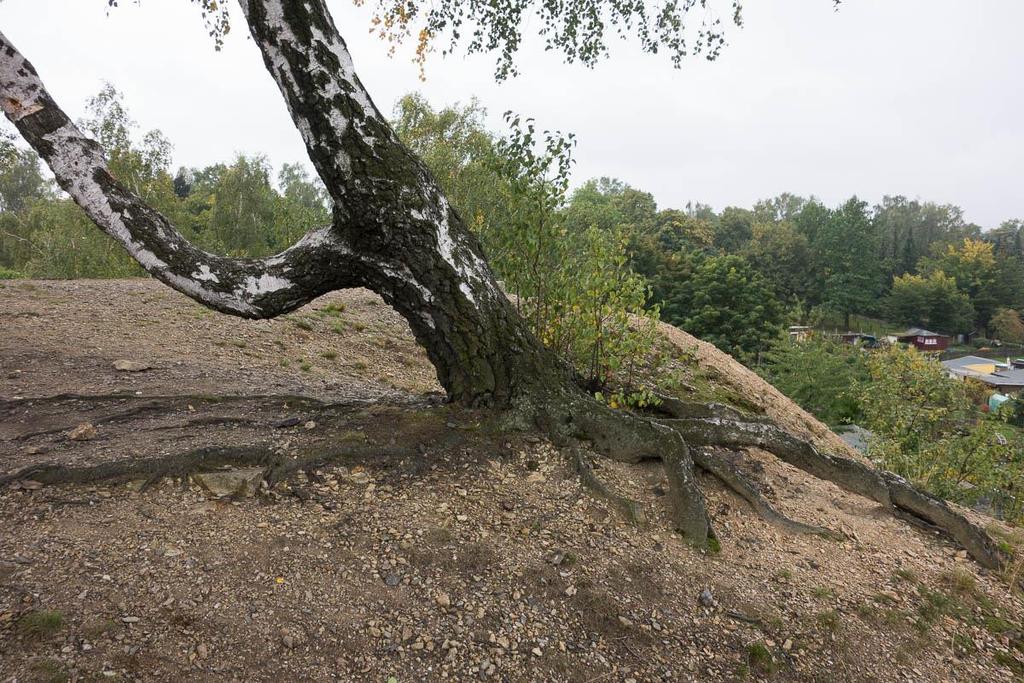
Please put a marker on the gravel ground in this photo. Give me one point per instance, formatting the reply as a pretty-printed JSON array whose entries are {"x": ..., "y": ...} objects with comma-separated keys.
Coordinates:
[{"x": 427, "y": 545}]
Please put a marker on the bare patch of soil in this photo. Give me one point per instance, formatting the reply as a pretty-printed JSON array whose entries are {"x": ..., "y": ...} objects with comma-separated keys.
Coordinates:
[{"x": 426, "y": 545}]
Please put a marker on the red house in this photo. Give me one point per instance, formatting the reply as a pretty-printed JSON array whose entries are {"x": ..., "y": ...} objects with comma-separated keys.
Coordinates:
[{"x": 924, "y": 340}]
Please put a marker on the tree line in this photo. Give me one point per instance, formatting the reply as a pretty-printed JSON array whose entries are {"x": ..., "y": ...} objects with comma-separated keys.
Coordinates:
[{"x": 734, "y": 277}]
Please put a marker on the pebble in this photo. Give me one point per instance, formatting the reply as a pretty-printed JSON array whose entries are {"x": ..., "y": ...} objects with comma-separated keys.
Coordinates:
[{"x": 83, "y": 432}]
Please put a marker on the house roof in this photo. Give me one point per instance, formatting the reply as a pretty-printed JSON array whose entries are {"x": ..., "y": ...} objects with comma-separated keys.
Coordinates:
[
  {"x": 919, "y": 332},
  {"x": 978, "y": 368},
  {"x": 1005, "y": 378},
  {"x": 965, "y": 361}
]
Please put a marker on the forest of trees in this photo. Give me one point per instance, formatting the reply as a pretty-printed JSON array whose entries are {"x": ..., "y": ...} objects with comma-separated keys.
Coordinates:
[{"x": 735, "y": 277}]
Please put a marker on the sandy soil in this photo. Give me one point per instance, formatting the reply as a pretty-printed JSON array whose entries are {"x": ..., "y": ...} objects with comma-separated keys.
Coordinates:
[{"x": 427, "y": 546}]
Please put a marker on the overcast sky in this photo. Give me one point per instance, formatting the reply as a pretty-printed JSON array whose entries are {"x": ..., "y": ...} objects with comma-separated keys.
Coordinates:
[{"x": 916, "y": 97}]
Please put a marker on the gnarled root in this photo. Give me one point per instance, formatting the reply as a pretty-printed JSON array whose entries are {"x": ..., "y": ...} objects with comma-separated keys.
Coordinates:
[
  {"x": 730, "y": 475},
  {"x": 884, "y": 487},
  {"x": 627, "y": 507},
  {"x": 628, "y": 438}
]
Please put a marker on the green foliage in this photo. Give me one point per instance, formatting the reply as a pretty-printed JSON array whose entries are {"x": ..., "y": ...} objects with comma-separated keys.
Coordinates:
[
  {"x": 573, "y": 285},
  {"x": 927, "y": 429},
  {"x": 822, "y": 375},
  {"x": 720, "y": 299},
  {"x": 580, "y": 31},
  {"x": 782, "y": 255},
  {"x": 40, "y": 624},
  {"x": 226, "y": 209},
  {"x": 910, "y": 230},
  {"x": 846, "y": 247},
  {"x": 934, "y": 302},
  {"x": 973, "y": 266},
  {"x": 567, "y": 266}
]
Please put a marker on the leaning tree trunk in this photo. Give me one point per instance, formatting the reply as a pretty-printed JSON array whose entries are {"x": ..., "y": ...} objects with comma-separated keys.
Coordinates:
[{"x": 394, "y": 232}]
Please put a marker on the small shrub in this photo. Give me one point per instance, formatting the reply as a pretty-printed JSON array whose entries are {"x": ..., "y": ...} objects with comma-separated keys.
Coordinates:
[
  {"x": 908, "y": 575},
  {"x": 49, "y": 671},
  {"x": 760, "y": 659},
  {"x": 828, "y": 620},
  {"x": 961, "y": 581},
  {"x": 823, "y": 592},
  {"x": 303, "y": 324},
  {"x": 40, "y": 624},
  {"x": 333, "y": 310},
  {"x": 329, "y": 355}
]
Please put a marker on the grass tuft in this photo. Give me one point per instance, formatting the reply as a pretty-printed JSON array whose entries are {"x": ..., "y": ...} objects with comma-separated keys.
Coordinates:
[{"x": 40, "y": 624}]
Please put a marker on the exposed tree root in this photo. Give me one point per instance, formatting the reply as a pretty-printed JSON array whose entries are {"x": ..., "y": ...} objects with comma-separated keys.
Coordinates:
[
  {"x": 180, "y": 465},
  {"x": 884, "y": 487},
  {"x": 681, "y": 441},
  {"x": 629, "y": 509},
  {"x": 628, "y": 438},
  {"x": 277, "y": 467},
  {"x": 163, "y": 404},
  {"x": 732, "y": 477}
]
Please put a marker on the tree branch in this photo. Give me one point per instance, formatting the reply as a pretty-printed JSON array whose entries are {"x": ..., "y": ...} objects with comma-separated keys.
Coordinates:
[{"x": 250, "y": 288}]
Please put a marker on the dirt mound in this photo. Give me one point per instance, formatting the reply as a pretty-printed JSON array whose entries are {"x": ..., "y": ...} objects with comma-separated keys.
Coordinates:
[{"x": 398, "y": 537}]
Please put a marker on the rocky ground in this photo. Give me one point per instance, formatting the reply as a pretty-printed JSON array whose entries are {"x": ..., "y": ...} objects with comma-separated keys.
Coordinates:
[{"x": 419, "y": 542}]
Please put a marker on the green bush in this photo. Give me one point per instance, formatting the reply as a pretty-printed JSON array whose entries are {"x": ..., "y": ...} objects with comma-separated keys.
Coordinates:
[
  {"x": 822, "y": 375},
  {"x": 928, "y": 430},
  {"x": 10, "y": 274},
  {"x": 574, "y": 286}
]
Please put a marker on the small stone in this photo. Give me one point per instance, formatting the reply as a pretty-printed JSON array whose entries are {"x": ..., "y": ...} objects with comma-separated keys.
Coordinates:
[
  {"x": 83, "y": 432},
  {"x": 443, "y": 600},
  {"x": 241, "y": 482},
  {"x": 555, "y": 557},
  {"x": 131, "y": 366},
  {"x": 310, "y": 424},
  {"x": 788, "y": 645},
  {"x": 392, "y": 580},
  {"x": 30, "y": 485},
  {"x": 537, "y": 652},
  {"x": 706, "y": 599},
  {"x": 292, "y": 637},
  {"x": 202, "y": 651},
  {"x": 570, "y": 591},
  {"x": 625, "y": 621},
  {"x": 130, "y": 620}
]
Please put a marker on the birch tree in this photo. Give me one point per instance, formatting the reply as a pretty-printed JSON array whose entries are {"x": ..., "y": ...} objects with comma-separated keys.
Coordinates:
[{"x": 393, "y": 231}]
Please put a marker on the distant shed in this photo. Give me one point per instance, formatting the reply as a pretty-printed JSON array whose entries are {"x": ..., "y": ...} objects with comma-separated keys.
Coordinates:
[{"x": 924, "y": 339}]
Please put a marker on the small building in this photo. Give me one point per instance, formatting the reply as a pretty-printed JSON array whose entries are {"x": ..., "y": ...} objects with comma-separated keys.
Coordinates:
[
  {"x": 868, "y": 341},
  {"x": 1001, "y": 377},
  {"x": 924, "y": 339},
  {"x": 799, "y": 333}
]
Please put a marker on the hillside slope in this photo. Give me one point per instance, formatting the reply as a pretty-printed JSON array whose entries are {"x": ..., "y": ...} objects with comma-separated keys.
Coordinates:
[{"x": 425, "y": 545}]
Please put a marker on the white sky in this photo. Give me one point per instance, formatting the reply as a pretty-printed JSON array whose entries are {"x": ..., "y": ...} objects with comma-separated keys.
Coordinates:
[{"x": 916, "y": 97}]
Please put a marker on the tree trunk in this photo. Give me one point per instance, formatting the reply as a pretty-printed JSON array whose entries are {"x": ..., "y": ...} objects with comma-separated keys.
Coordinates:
[{"x": 393, "y": 231}]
